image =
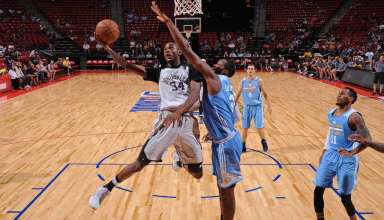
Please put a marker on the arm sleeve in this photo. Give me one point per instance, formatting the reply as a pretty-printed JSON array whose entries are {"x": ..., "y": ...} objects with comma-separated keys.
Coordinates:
[
  {"x": 152, "y": 74},
  {"x": 195, "y": 75}
]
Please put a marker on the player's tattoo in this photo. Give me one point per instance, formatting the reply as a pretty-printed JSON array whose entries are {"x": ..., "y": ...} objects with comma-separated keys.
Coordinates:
[{"x": 357, "y": 121}]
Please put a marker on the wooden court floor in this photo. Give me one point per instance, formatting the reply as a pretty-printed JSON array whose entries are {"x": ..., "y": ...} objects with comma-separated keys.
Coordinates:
[{"x": 52, "y": 139}]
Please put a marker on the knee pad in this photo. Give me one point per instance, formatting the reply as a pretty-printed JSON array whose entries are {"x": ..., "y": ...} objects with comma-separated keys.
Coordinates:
[
  {"x": 142, "y": 158},
  {"x": 347, "y": 202},
  {"x": 318, "y": 200}
]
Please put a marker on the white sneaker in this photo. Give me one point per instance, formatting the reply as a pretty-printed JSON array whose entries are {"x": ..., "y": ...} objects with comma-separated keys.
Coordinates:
[
  {"x": 98, "y": 197},
  {"x": 176, "y": 162}
]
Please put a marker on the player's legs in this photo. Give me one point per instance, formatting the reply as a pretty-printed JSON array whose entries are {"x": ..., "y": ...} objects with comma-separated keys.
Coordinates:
[
  {"x": 244, "y": 135},
  {"x": 227, "y": 202},
  {"x": 348, "y": 205},
  {"x": 324, "y": 176},
  {"x": 152, "y": 150},
  {"x": 346, "y": 179},
  {"x": 226, "y": 167},
  {"x": 226, "y": 162},
  {"x": 188, "y": 146},
  {"x": 318, "y": 202},
  {"x": 258, "y": 117},
  {"x": 245, "y": 124},
  {"x": 103, "y": 191}
]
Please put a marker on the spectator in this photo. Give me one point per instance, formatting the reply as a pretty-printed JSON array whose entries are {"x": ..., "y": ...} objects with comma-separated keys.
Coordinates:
[
  {"x": 42, "y": 71},
  {"x": 51, "y": 71},
  {"x": 379, "y": 76},
  {"x": 369, "y": 55},
  {"x": 92, "y": 38},
  {"x": 67, "y": 66},
  {"x": 232, "y": 54},
  {"x": 268, "y": 66},
  {"x": 86, "y": 47},
  {"x": 148, "y": 55},
  {"x": 15, "y": 79},
  {"x": 341, "y": 66},
  {"x": 30, "y": 76},
  {"x": 21, "y": 75},
  {"x": 231, "y": 46},
  {"x": 99, "y": 47}
]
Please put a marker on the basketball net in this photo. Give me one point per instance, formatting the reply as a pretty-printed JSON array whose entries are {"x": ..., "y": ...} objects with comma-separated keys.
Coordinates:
[
  {"x": 188, "y": 33},
  {"x": 187, "y": 7}
]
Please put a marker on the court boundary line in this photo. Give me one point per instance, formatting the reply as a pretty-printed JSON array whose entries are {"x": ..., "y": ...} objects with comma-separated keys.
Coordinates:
[{"x": 79, "y": 164}]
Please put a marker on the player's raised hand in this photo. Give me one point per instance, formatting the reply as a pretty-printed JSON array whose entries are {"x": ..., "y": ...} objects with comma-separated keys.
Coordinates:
[
  {"x": 358, "y": 138},
  {"x": 160, "y": 15}
]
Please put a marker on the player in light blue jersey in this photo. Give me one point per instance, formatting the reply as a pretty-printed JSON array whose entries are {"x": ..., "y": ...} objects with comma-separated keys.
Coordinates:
[
  {"x": 253, "y": 92},
  {"x": 219, "y": 117},
  {"x": 343, "y": 121}
]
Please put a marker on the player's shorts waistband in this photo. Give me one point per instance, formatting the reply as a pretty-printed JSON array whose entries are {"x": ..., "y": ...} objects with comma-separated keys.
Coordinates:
[
  {"x": 167, "y": 112},
  {"x": 224, "y": 140}
]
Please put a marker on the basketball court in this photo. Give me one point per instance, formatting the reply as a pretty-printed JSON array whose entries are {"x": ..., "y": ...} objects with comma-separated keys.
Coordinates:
[{"x": 74, "y": 135}]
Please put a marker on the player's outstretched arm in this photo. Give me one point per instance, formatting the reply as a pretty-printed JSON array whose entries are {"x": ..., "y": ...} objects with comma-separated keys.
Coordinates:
[
  {"x": 213, "y": 82},
  {"x": 375, "y": 145},
  {"x": 138, "y": 69}
]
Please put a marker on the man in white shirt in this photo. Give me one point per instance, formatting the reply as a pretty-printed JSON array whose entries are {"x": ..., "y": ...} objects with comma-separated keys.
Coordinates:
[
  {"x": 15, "y": 77},
  {"x": 369, "y": 55},
  {"x": 86, "y": 47}
]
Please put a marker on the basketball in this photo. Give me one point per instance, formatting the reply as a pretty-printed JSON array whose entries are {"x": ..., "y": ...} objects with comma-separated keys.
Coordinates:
[{"x": 107, "y": 31}]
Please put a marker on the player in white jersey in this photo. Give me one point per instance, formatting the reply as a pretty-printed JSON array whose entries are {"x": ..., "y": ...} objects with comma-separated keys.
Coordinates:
[{"x": 178, "y": 92}]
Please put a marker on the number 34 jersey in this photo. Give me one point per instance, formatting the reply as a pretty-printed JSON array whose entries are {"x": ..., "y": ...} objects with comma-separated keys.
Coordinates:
[{"x": 174, "y": 83}]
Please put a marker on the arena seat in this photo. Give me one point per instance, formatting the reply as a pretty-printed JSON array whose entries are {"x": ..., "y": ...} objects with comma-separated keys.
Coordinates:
[
  {"x": 18, "y": 28},
  {"x": 81, "y": 15}
]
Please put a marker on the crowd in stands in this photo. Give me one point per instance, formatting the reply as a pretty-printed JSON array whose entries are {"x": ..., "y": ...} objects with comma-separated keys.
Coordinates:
[
  {"x": 328, "y": 52},
  {"x": 142, "y": 48},
  {"x": 16, "y": 25},
  {"x": 28, "y": 68}
]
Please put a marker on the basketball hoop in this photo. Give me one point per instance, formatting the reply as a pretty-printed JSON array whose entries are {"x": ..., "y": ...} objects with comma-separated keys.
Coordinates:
[
  {"x": 187, "y": 7},
  {"x": 188, "y": 33}
]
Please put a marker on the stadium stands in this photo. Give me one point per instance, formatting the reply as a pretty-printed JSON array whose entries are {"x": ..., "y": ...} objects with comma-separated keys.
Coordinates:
[{"x": 17, "y": 27}]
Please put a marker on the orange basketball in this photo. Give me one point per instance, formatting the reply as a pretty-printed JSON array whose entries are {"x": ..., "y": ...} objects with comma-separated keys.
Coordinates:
[{"x": 107, "y": 31}]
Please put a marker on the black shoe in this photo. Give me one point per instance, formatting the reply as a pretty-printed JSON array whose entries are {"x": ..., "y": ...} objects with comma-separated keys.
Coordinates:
[
  {"x": 244, "y": 149},
  {"x": 265, "y": 145}
]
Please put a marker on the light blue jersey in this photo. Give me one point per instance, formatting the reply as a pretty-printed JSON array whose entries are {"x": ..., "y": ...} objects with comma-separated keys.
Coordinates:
[
  {"x": 219, "y": 112},
  {"x": 332, "y": 163},
  {"x": 253, "y": 103},
  {"x": 251, "y": 91},
  {"x": 339, "y": 131},
  {"x": 219, "y": 118}
]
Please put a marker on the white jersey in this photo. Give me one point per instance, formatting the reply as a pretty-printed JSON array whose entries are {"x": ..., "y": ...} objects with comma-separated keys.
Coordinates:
[{"x": 174, "y": 84}]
